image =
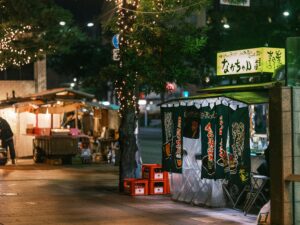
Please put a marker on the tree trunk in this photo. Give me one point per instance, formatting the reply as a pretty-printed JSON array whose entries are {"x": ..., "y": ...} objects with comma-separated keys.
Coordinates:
[
  {"x": 128, "y": 146},
  {"x": 162, "y": 96}
]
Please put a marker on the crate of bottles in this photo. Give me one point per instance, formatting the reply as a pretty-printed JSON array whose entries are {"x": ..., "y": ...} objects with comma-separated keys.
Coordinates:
[
  {"x": 136, "y": 187},
  {"x": 159, "y": 187},
  {"x": 154, "y": 172}
]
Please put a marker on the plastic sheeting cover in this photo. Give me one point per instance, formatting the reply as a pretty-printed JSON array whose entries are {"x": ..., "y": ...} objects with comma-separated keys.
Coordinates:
[{"x": 188, "y": 186}]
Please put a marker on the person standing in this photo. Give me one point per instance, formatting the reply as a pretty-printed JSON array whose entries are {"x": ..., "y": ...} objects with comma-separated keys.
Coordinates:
[
  {"x": 6, "y": 136},
  {"x": 71, "y": 121},
  {"x": 138, "y": 155}
]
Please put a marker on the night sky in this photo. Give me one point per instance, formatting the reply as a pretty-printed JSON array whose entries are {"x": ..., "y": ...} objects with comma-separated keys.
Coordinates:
[{"x": 84, "y": 11}]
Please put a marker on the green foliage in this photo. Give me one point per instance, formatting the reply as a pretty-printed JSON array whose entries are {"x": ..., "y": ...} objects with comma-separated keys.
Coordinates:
[
  {"x": 84, "y": 60},
  {"x": 41, "y": 33},
  {"x": 192, "y": 45},
  {"x": 165, "y": 44}
]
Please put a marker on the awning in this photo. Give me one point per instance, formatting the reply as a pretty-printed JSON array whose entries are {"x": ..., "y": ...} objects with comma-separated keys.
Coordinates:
[
  {"x": 248, "y": 94},
  {"x": 63, "y": 93},
  {"x": 53, "y": 101},
  {"x": 247, "y": 97}
]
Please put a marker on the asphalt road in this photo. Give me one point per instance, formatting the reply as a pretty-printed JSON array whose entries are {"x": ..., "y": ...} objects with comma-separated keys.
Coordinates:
[
  {"x": 88, "y": 195},
  {"x": 150, "y": 142},
  {"x": 34, "y": 194}
]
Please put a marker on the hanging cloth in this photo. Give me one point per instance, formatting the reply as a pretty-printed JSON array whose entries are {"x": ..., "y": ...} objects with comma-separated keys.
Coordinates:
[
  {"x": 172, "y": 125},
  {"x": 167, "y": 138},
  {"x": 208, "y": 128},
  {"x": 239, "y": 149},
  {"x": 222, "y": 121},
  {"x": 177, "y": 144},
  {"x": 191, "y": 122}
]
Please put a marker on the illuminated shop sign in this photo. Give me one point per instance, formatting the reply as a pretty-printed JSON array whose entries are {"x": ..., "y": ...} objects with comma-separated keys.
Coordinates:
[
  {"x": 235, "y": 2},
  {"x": 255, "y": 60}
]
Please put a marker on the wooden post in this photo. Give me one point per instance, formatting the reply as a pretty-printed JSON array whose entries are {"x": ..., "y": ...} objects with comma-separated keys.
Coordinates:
[
  {"x": 51, "y": 121},
  {"x": 36, "y": 119},
  {"x": 76, "y": 118},
  {"x": 281, "y": 156}
]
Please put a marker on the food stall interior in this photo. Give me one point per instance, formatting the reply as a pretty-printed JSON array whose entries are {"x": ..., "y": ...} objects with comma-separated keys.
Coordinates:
[{"x": 59, "y": 116}]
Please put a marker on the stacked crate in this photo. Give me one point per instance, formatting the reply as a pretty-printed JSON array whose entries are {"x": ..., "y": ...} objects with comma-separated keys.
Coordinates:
[
  {"x": 158, "y": 179},
  {"x": 135, "y": 187}
]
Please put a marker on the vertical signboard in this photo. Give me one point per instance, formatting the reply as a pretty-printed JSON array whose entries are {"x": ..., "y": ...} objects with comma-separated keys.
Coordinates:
[
  {"x": 172, "y": 124},
  {"x": 208, "y": 128},
  {"x": 239, "y": 150}
]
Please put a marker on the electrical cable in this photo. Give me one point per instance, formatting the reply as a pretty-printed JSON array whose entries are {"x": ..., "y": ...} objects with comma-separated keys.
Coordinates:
[{"x": 162, "y": 12}]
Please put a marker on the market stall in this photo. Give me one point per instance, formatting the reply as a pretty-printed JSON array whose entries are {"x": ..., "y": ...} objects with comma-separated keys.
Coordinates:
[
  {"x": 211, "y": 141},
  {"x": 206, "y": 143},
  {"x": 52, "y": 123}
]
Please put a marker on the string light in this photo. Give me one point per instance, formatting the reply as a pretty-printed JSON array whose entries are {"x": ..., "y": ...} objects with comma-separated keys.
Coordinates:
[
  {"x": 22, "y": 43},
  {"x": 127, "y": 12},
  {"x": 12, "y": 55},
  {"x": 125, "y": 87},
  {"x": 163, "y": 11}
]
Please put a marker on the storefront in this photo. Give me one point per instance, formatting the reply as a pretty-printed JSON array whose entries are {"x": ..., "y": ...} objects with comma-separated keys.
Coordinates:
[{"x": 212, "y": 142}]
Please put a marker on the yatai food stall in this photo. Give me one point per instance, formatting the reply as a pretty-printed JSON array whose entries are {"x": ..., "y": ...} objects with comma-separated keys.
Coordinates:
[
  {"x": 210, "y": 140},
  {"x": 206, "y": 143},
  {"x": 40, "y": 128}
]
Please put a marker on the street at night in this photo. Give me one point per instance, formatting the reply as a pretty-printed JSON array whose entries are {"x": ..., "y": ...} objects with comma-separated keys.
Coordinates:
[
  {"x": 150, "y": 112},
  {"x": 44, "y": 194}
]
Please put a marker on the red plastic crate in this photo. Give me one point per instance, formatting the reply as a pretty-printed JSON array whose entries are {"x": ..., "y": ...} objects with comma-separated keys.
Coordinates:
[
  {"x": 159, "y": 187},
  {"x": 135, "y": 187},
  {"x": 168, "y": 184},
  {"x": 154, "y": 172}
]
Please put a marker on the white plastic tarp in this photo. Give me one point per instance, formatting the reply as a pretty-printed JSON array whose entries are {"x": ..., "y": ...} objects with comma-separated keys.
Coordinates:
[{"x": 188, "y": 186}]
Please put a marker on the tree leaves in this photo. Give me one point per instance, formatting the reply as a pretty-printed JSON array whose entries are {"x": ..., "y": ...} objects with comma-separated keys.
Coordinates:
[
  {"x": 193, "y": 45},
  {"x": 169, "y": 44},
  {"x": 30, "y": 29}
]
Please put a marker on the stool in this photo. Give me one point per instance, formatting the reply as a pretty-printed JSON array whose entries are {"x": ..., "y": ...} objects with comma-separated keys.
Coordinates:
[{"x": 257, "y": 186}]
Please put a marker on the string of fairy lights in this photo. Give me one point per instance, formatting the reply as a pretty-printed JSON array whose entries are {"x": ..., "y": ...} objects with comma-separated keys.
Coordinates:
[
  {"x": 12, "y": 55},
  {"x": 125, "y": 87},
  {"x": 173, "y": 7}
]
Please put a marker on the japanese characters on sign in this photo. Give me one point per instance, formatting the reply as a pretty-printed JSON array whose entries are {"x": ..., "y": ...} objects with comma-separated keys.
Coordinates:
[
  {"x": 178, "y": 154},
  {"x": 208, "y": 128},
  {"x": 256, "y": 60},
  {"x": 172, "y": 124},
  {"x": 235, "y": 2}
]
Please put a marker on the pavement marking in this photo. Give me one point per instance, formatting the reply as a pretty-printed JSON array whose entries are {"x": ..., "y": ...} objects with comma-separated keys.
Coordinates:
[
  {"x": 204, "y": 219},
  {"x": 31, "y": 203},
  {"x": 8, "y": 194}
]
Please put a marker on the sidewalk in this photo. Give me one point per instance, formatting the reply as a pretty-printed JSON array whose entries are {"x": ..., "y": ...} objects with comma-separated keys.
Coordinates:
[{"x": 88, "y": 195}]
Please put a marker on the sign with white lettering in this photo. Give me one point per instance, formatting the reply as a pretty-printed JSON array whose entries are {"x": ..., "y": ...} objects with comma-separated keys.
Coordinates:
[
  {"x": 235, "y": 2},
  {"x": 116, "y": 54},
  {"x": 255, "y": 60}
]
